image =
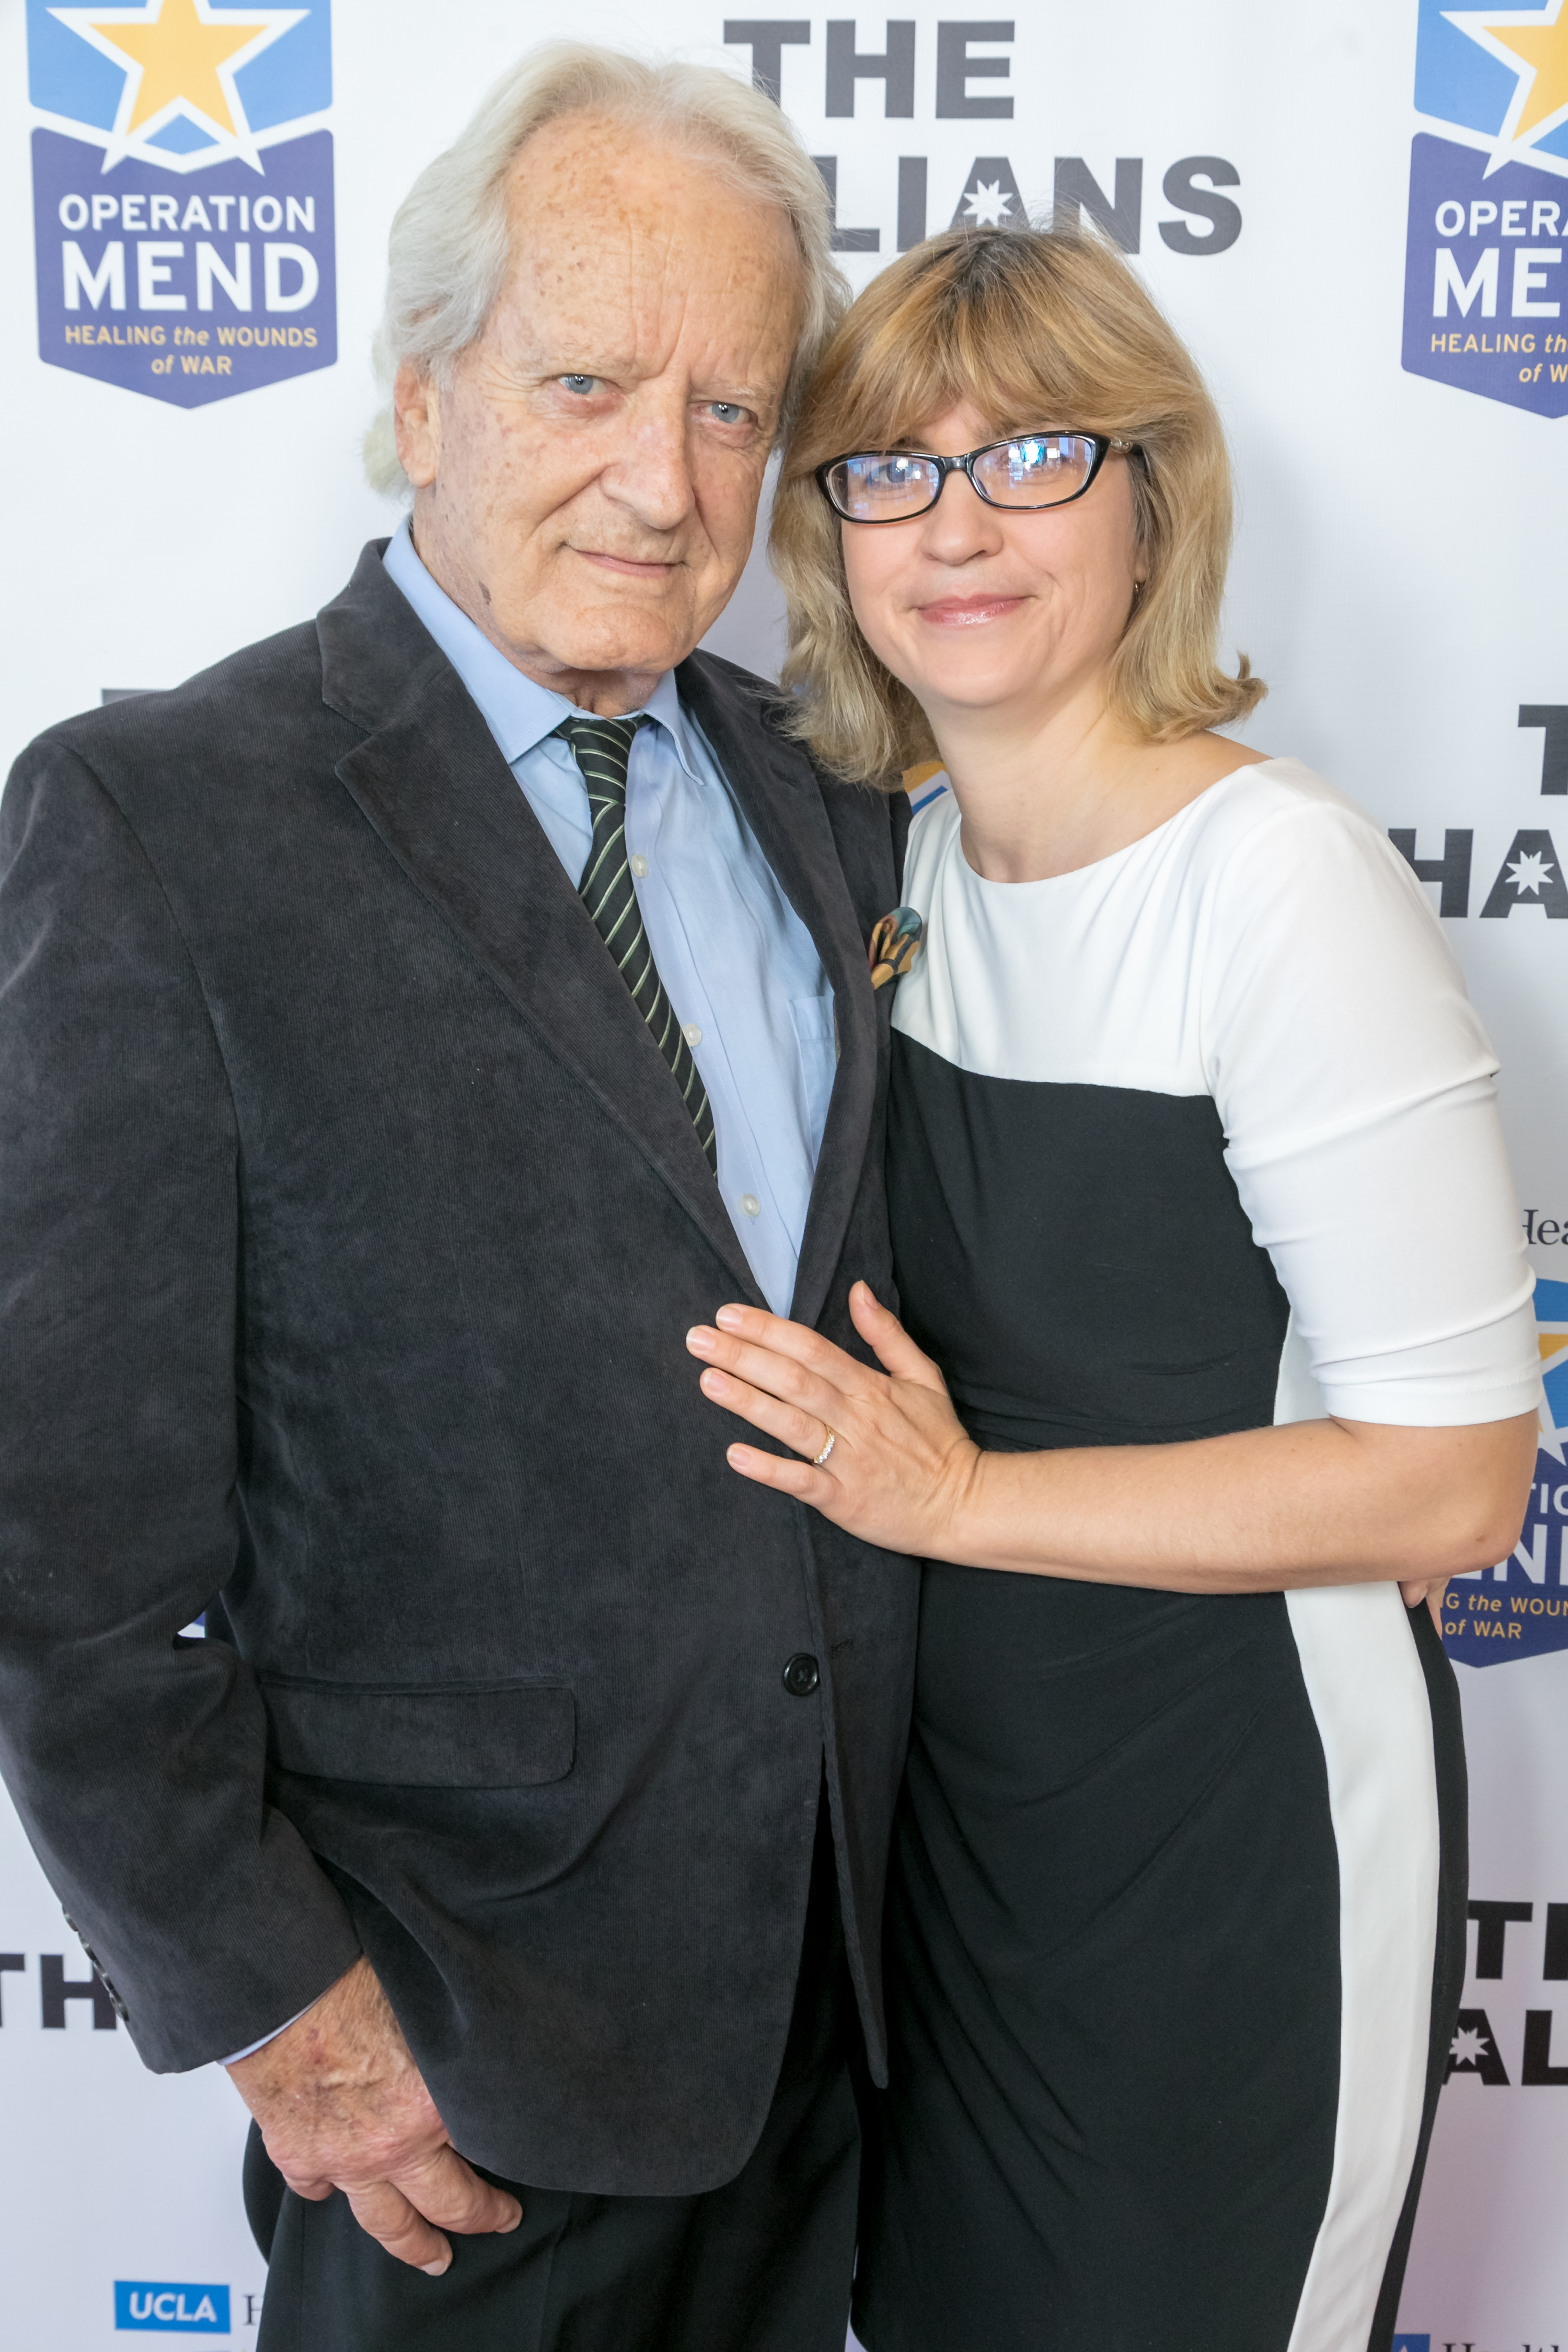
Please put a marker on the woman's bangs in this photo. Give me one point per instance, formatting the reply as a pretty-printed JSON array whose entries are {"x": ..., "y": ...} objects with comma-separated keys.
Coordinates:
[{"x": 938, "y": 352}]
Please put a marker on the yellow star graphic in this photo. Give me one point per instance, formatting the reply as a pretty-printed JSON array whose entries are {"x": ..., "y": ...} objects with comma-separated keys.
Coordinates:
[
  {"x": 1544, "y": 48},
  {"x": 179, "y": 55}
]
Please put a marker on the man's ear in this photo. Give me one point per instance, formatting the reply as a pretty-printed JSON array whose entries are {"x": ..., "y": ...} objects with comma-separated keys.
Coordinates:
[{"x": 416, "y": 422}]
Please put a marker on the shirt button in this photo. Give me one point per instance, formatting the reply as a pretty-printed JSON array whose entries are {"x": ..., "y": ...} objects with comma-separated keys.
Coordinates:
[
  {"x": 751, "y": 1205},
  {"x": 692, "y": 1033},
  {"x": 801, "y": 1675},
  {"x": 639, "y": 864}
]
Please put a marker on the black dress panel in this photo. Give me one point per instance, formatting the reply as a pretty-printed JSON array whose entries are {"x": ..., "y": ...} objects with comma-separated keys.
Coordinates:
[
  {"x": 1076, "y": 1258},
  {"x": 1114, "y": 1920},
  {"x": 1113, "y": 1968}
]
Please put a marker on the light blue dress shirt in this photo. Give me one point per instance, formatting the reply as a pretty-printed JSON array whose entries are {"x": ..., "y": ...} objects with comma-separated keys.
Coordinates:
[{"x": 737, "y": 962}]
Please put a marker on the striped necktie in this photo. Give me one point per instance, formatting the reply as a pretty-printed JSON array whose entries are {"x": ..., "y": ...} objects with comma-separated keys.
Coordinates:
[{"x": 603, "y": 749}]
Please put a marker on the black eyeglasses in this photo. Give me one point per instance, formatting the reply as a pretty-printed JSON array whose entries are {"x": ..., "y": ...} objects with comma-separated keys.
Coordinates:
[{"x": 1036, "y": 470}]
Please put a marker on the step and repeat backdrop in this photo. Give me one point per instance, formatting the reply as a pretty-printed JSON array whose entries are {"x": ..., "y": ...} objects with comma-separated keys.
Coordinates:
[{"x": 1357, "y": 212}]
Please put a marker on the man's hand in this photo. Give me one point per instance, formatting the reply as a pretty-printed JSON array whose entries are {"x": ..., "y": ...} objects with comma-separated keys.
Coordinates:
[{"x": 341, "y": 2106}]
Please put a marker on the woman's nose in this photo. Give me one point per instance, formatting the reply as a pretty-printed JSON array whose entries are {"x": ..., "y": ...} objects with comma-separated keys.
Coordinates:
[{"x": 961, "y": 524}]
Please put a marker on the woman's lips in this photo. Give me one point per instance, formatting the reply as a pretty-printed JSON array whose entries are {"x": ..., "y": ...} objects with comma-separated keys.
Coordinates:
[{"x": 967, "y": 612}]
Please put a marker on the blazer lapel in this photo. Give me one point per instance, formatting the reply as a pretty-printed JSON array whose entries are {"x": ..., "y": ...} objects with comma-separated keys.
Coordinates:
[
  {"x": 430, "y": 780},
  {"x": 778, "y": 789}
]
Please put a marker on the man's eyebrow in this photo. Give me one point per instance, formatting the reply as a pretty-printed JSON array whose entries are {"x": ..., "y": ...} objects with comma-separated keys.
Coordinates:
[
  {"x": 568, "y": 360},
  {"x": 749, "y": 396},
  {"x": 571, "y": 361}
]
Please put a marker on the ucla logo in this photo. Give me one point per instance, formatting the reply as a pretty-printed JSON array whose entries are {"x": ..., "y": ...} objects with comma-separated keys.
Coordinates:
[
  {"x": 183, "y": 193},
  {"x": 1484, "y": 272},
  {"x": 1519, "y": 1609},
  {"x": 171, "y": 2308}
]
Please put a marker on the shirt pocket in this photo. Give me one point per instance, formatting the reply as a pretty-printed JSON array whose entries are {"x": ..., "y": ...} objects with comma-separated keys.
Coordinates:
[{"x": 816, "y": 1043}]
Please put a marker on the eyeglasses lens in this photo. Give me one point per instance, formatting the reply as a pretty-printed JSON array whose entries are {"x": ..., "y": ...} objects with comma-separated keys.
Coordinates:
[
  {"x": 1042, "y": 469},
  {"x": 1038, "y": 469},
  {"x": 882, "y": 487}
]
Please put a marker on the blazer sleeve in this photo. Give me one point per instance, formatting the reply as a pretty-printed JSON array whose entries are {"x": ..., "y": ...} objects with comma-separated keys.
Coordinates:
[{"x": 136, "y": 1758}]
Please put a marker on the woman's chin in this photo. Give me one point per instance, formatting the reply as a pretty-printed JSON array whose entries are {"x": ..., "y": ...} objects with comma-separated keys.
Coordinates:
[{"x": 974, "y": 684}]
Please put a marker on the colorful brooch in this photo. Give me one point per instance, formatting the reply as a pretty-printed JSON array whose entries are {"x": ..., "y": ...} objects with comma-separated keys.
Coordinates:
[{"x": 895, "y": 943}]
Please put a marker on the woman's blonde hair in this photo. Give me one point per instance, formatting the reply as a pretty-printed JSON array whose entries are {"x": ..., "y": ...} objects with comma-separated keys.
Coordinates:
[{"x": 1031, "y": 330}]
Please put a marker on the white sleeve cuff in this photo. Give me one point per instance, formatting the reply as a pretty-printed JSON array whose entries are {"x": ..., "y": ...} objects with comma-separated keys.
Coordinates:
[{"x": 235, "y": 2056}]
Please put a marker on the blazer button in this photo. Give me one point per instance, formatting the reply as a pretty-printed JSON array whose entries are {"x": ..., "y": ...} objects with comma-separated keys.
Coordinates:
[{"x": 801, "y": 1674}]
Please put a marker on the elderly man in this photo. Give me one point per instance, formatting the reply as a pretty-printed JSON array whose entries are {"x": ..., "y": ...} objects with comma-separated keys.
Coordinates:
[{"x": 407, "y": 1030}]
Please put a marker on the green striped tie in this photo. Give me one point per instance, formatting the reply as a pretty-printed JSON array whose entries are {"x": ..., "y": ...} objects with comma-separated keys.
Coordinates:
[{"x": 603, "y": 749}]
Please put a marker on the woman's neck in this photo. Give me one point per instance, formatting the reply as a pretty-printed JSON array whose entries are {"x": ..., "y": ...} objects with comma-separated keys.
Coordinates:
[{"x": 1045, "y": 793}]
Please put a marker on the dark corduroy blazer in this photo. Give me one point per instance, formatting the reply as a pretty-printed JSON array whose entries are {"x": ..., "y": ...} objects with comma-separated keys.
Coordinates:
[{"x": 350, "y": 1229}]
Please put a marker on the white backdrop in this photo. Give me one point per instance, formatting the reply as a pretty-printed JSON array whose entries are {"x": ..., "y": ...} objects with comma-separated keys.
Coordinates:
[{"x": 1401, "y": 471}]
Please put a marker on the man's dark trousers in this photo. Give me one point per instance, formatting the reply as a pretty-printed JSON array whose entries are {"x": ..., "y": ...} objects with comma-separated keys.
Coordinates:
[{"x": 762, "y": 2265}]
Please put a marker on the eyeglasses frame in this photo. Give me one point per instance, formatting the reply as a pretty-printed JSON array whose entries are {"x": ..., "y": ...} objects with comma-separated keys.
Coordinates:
[{"x": 1104, "y": 444}]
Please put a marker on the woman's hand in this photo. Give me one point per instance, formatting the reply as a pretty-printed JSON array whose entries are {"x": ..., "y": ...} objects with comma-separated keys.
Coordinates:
[
  {"x": 901, "y": 1467},
  {"x": 1413, "y": 1593}
]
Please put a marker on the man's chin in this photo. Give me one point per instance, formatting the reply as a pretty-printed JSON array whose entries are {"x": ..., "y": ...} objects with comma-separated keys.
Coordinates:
[{"x": 621, "y": 635}]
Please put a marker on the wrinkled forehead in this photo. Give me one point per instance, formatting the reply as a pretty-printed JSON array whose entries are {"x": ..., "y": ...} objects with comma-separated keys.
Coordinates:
[{"x": 616, "y": 230}]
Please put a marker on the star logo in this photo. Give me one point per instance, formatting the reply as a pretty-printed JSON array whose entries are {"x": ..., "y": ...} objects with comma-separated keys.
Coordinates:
[
  {"x": 180, "y": 58},
  {"x": 1552, "y": 1342},
  {"x": 1533, "y": 44},
  {"x": 1531, "y": 872},
  {"x": 1468, "y": 2047},
  {"x": 986, "y": 205}
]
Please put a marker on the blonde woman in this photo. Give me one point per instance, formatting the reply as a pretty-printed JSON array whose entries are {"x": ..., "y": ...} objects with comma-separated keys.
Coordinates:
[{"x": 1215, "y": 1332}]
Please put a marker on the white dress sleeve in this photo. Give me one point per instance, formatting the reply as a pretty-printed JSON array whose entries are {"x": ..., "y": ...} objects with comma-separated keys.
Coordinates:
[{"x": 1354, "y": 1083}]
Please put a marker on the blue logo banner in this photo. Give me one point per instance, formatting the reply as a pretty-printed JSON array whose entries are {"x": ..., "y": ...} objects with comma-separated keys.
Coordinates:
[
  {"x": 182, "y": 208},
  {"x": 171, "y": 2308},
  {"x": 1519, "y": 1609},
  {"x": 1484, "y": 305},
  {"x": 1486, "y": 309}
]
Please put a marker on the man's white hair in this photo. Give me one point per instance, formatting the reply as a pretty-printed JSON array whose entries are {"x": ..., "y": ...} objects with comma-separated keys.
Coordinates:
[{"x": 449, "y": 250}]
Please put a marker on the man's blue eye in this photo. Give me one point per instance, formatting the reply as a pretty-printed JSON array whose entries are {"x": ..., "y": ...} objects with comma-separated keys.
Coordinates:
[
  {"x": 728, "y": 411},
  {"x": 579, "y": 382}
]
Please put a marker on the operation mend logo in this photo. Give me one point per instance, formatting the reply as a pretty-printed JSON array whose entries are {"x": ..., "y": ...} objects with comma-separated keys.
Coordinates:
[
  {"x": 1484, "y": 272},
  {"x": 1519, "y": 1609},
  {"x": 183, "y": 193}
]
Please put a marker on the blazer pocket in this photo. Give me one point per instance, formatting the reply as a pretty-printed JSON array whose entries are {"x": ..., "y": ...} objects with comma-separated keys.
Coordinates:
[{"x": 494, "y": 1736}]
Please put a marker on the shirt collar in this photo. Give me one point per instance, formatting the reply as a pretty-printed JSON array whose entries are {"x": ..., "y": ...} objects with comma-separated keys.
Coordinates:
[{"x": 519, "y": 712}]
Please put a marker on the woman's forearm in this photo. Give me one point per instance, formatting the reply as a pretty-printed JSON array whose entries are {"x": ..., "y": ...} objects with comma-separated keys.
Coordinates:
[
  {"x": 1315, "y": 1502},
  {"x": 1318, "y": 1502}
]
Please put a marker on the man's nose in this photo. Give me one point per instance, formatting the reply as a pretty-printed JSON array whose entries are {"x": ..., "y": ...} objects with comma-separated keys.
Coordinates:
[{"x": 650, "y": 474}]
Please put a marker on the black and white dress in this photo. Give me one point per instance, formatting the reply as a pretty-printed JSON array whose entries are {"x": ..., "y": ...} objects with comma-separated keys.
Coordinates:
[{"x": 1197, "y": 1139}]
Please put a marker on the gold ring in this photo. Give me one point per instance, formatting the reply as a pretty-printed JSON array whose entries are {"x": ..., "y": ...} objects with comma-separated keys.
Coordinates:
[{"x": 819, "y": 1459}]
